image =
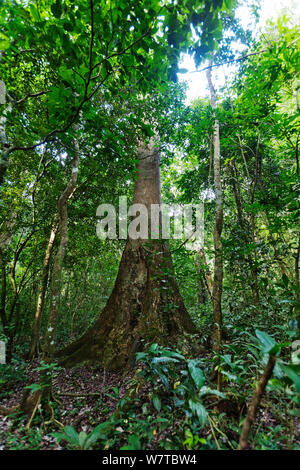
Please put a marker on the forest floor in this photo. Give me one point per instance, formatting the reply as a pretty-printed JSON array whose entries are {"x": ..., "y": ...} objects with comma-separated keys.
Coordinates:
[
  {"x": 89, "y": 395},
  {"x": 90, "y": 402}
]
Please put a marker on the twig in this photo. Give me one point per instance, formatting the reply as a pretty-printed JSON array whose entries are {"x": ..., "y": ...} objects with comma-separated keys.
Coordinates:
[{"x": 82, "y": 395}]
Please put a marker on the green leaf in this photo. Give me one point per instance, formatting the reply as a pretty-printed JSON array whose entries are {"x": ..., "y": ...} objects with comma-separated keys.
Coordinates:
[
  {"x": 198, "y": 409},
  {"x": 292, "y": 375},
  {"x": 133, "y": 444},
  {"x": 4, "y": 45},
  {"x": 294, "y": 412},
  {"x": 65, "y": 73},
  {"x": 268, "y": 344},
  {"x": 58, "y": 436},
  {"x": 72, "y": 433},
  {"x": 34, "y": 12},
  {"x": 208, "y": 391},
  {"x": 156, "y": 402},
  {"x": 100, "y": 432},
  {"x": 34, "y": 387},
  {"x": 4, "y": 42},
  {"x": 196, "y": 373},
  {"x": 82, "y": 437},
  {"x": 159, "y": 360}
]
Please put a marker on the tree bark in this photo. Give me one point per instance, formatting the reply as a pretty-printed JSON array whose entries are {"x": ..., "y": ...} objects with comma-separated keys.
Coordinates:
[
  {"x": 35, "y": 347},
  {"x": 145, "y": 302},
  {"x": 3, "y": 291}
]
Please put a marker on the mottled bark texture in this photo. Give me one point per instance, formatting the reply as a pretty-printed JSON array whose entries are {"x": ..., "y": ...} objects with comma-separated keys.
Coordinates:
[
  {"x": 218, "y": 262},
  {"x": 243, "y": 442},
  {"x": 145, "y": 302},
  {"x": 35, "y": 347}
]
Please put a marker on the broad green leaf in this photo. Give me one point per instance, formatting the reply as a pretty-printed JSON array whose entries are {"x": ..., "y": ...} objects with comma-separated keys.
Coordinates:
[
  {"x": 208, "y": 391},
  {"x": 198, "y": 409},
  {"x": 196, "y": 373},
  {"x": 82, "y": 437},
  {"x": 269, "y": 345},
  {"x": 72, "y": 433},
  {"x": 292, "y": 375},
  {"x": 156, "y": 402},
  {"x": 34, "y": 387},
  {"x": 162, "y": 360},
  {"x": 34, "y": 12}
]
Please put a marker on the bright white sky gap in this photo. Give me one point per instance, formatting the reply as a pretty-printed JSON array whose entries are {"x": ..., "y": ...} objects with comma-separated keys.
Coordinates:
[{"x": 197, "y": 83}]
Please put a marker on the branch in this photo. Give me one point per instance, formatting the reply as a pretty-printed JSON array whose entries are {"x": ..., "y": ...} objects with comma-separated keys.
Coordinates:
[
  {"x": 239, "y": 59},
  {"x": 30, "y": 95}
]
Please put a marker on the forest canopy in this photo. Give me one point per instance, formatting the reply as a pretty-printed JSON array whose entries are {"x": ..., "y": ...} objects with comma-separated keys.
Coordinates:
[{"x": 137, "y": 331}]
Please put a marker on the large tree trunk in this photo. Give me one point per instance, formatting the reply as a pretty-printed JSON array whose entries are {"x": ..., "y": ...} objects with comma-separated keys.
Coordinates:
[{"x": 145, "y": 302}]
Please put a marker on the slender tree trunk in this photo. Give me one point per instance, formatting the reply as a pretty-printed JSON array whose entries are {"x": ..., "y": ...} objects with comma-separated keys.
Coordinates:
[
  {"x": 204, "y": 274},
  {"x": 218, "y": 262},
  {"x": 3, "y": 291},
  {"x": 243, "y": 443},
  {"x": 202, "y": 290},
  {"x": 145, "y": 301},
  {"x": 35, "y": 348}
]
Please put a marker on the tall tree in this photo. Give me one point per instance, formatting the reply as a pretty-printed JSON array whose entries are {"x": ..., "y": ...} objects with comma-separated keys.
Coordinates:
[
  {"x": 218, "y": 248},
  {"x": 145, "y": 302}
]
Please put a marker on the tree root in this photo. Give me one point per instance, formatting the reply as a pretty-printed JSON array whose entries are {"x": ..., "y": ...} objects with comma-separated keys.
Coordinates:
[
  {"x": 30, "y": 404},
  {"x": 38, "y": 401},
  {"x": 25, "y": 405},
  {"x": 8, "y": 411}
]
